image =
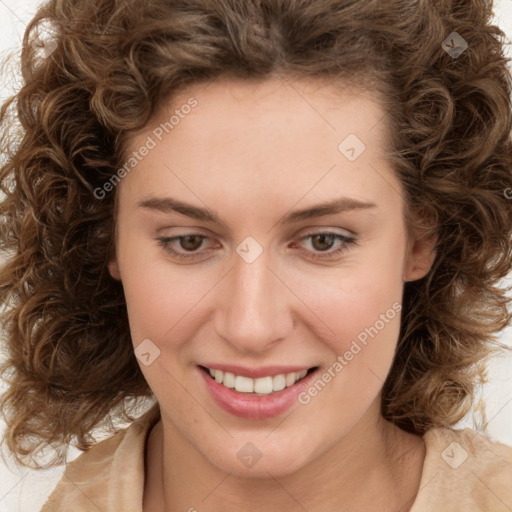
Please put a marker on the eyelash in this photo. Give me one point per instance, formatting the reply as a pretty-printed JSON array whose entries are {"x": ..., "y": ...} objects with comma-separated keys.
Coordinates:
[{"x": 320, "y": 255}]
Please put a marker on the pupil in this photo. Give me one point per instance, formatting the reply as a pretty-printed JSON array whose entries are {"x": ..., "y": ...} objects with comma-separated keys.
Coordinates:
[
  {"x": 187, "y": 239},
  {"x": 323, "y": 237}
]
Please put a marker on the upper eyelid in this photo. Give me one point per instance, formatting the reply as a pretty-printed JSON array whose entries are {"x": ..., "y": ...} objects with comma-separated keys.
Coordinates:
[{"x": 301, "y": 233}]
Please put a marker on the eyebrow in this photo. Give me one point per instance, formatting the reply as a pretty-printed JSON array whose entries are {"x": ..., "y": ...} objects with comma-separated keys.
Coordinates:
[{"x": 172, "y": 205}]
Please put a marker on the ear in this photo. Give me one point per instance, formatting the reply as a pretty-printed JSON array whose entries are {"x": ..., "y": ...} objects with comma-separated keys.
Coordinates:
[
  {"x": 421, "y": 253},
  {"x": 113, "y": 268}
]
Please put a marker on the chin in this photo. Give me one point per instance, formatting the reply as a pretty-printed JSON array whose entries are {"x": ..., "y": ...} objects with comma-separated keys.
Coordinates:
[{"x": 260, "y": 459}]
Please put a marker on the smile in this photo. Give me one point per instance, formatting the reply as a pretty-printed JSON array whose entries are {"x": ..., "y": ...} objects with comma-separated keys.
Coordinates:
[
  {"x": 268, "y": 392},
  {"x": 262, "y": 385}
]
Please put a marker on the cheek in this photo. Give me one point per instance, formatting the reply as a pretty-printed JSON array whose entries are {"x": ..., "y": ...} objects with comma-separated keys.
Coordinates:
[
  {"x": 359, "y": 311},
  {"x": 363, "y": 317},
  {"x": 353, "y": 297},
  {"x": 362, "y": 322},
  {"x": 157, "y": 294}
]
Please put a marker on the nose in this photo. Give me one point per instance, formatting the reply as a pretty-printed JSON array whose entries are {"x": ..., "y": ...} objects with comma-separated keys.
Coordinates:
[{"x": 254, "y": 309}]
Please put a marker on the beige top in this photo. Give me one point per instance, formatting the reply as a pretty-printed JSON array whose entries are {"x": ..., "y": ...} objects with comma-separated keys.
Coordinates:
[{"x": 463, "y": 471}]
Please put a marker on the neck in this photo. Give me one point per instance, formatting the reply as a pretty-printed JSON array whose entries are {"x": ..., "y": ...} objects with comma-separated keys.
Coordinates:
[{"x": 376, "y": 466}]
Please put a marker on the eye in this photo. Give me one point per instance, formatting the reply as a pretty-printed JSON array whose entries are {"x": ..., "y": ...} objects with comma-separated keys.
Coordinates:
[
  {"x": 189, "y": 245},
  {"x": 323, "y": 241}
]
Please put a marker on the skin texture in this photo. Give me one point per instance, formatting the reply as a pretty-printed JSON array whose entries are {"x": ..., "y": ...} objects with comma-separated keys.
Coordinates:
[{"x": 252, "y": 152}]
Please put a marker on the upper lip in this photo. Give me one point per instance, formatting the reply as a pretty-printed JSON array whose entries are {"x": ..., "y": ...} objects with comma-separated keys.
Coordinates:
[{"x": 254, "y": 373}]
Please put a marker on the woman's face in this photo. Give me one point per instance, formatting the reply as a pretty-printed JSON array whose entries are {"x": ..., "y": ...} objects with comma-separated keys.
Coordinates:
[{"x": 266, "y": 280}]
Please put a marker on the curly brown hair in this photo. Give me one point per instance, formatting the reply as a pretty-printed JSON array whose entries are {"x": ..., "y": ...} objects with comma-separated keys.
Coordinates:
[{"x": 70, "y": 362}]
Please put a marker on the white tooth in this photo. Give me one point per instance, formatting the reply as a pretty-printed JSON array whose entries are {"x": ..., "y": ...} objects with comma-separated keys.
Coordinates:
[
  {"x": 279, "y": 382},
  {"x": 229, "y": 380},
  {"x": 290, "y": 378},
  {"x": 263, "y": 385},
  {"x": 244, "y": 384}
]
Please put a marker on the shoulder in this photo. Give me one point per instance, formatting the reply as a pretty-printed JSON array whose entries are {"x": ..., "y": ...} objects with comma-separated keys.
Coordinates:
[
  {"x": 464, "y": 470},
  {"x": 107, "y": 477}
]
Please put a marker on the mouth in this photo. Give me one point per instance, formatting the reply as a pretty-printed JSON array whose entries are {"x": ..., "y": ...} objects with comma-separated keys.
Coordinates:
[
  {"x": 261, "y": 386},
  {"x": 256, "y": 393}
]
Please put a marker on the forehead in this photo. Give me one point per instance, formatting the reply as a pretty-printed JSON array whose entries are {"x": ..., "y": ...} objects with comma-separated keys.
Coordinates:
[
  {"x": 323, "y": 104},
  {"x": 266, "y": 137},
  {"x": 267, "y": 115}
]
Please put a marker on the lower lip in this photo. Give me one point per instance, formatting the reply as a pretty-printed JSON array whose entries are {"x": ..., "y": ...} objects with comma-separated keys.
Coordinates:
[{"x": 252, "y": 407}]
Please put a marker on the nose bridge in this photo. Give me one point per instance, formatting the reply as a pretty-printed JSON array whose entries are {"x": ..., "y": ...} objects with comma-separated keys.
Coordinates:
[{"x": 253, "y": 312}]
